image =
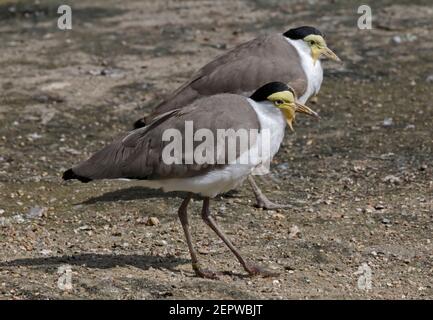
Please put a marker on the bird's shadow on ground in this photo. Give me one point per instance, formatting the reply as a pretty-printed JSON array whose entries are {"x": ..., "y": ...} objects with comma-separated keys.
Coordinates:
[
  {"x": 107, "y": 261},
  {"x": 99, "y": 261},
  {"x": 132, "y": 193},
  {"x": 141, "y": 193}
]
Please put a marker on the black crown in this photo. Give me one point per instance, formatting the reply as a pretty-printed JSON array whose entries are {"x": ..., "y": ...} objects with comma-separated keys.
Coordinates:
[{"x": 301, "y": 32}]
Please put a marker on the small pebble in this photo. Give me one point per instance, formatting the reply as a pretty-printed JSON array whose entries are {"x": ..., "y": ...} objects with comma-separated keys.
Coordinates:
[
  {"x": 294, "y": 232},
  {"x": 392, "y": 179},
  {"x": 387, "y": 122},
  {"x": 36, "y": 212},
  {"x": 152, "y": 221},
  {"x": 386, "y": 221},
  {"x": 379, "y": 206}
]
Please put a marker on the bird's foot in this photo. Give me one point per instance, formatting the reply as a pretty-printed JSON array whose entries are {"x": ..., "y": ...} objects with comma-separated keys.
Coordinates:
[
  {"x": 255, "y": 270},
  {"x": 206, "y": 274},
  {"x": 266, "y": 204}
]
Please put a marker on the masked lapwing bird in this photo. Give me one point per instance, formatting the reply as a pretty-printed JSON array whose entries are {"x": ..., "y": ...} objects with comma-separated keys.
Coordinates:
[
  {"x": 292, "y": 58},
  {"x": 158, "y": 153}
]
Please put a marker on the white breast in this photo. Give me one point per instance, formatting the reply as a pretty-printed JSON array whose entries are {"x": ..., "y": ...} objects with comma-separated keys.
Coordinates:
[
  {"x": 272, "y": 119},
  {"x": 314, "y": 72},
  {"x": 232, "y": 175}
]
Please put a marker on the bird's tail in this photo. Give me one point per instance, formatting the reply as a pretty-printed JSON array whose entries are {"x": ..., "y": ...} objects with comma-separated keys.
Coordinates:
[
  {"x": 140, "y": 123},
  {"x": 70, "y": 174}
]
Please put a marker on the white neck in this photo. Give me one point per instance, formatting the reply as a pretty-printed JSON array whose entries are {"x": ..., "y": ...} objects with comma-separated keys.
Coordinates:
[
  {"x": 272, "y": 119},
  {"x": 313, "y": 71},
  {"x": 302, "y": 47}
]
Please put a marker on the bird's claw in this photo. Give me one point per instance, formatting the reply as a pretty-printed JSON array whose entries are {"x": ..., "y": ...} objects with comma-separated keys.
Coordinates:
[
  {"x": 266, "y": 204},
  {"x": 207, "y": 274}
]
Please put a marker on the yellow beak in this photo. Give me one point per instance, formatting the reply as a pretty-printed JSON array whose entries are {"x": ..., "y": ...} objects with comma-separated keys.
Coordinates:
[
  {"x": 289, "y": 111},
  {"x": 330, "y": 54},
  {"x": 317, "y": 52},
  {"x": 304, "y": 109}
]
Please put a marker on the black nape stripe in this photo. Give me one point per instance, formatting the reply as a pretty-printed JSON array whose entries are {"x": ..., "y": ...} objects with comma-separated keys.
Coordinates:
[
  {"x": 301, "y": 32},
  {"x": 265, "y": 91}
]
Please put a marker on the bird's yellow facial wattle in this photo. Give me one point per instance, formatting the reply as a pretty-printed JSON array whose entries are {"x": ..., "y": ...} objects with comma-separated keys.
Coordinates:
[
  {"x": 286, "y": 101},
  {"x": 318, "y": 48}
]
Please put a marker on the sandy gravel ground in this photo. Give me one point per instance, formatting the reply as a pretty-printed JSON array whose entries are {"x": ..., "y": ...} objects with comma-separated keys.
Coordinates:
[{"x": 360, "y": 181}]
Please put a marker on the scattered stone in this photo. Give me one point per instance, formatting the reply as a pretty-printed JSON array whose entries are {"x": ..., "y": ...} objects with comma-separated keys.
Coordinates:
[
  {"x": 386, "y": 221},
  {"x": 347, "y": 182},
  {"x": 379, "y": 206},
  {"x": 2, "y": 211},
  {"x": 111, "y": 72},
  {"x": 397, "y": 39},
  {"x": 18, "y": 218},
  {"x": 278, "y": 216},
  {"x": 162, "y": 243},
  {"x": 46, "y": 252},
  {"x": 404, "y": 38},
  {"x": 429, "y": 79},
  {"x": 368, "y": 209},
  {"x": 83, "y": 228},
  {"x": 283, "y": 166},
  {"x": 141, "y": 220},
  {"x": 294, "y": 232},
  {"x": 152, "y": 221},
  {"x": 33, "y": 136},
  {"x": 423, "y": 167},
  {"x": 358, "y": 168},
  {"x": 55, "y": 86},
  {"x": 392, "y": 179},
  {"x": 204, "y": 250},
  {"x": 70, "y": 151},
  {"x": 36, "y": 212},
  {"x": 4, "y": 222},
  {"x": 387, "y": 122},
  {"x": 94, "y": 72},
  {"x": 222, "y": 210}
]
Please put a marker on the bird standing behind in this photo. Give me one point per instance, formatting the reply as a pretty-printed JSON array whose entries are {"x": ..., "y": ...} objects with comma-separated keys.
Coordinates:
[
  {"x": 292, "y": 58},
  {"x": 140, "y": 154}
]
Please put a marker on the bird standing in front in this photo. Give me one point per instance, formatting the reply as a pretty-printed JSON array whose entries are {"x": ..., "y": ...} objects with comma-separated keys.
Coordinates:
[
  {"x": 292, "y": 58},
  {"x": 140, "y": 153}
]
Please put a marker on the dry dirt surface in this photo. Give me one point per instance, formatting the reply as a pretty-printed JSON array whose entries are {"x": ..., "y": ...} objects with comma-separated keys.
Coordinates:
[{"x": 360, "y": 181}]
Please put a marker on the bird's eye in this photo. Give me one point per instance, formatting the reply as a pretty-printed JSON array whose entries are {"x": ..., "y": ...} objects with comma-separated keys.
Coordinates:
[
  {"x": 279, "y": 102},
  {"x": 312, "y": 43}
]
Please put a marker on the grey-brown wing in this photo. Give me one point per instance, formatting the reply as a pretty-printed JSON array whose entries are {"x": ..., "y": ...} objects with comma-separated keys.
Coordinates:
[
  {"x": 139, "y": 154},
  {"x": 241, "y": 71},
  {"x": 110, "y": 162}
]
